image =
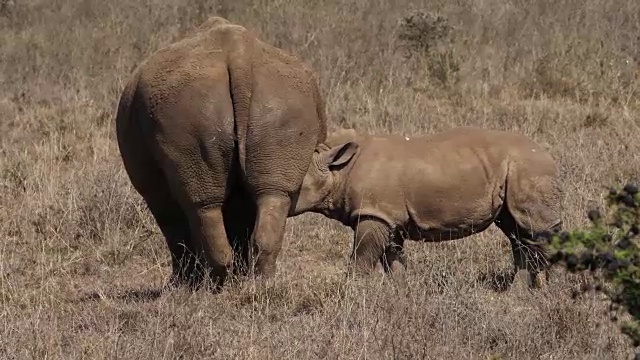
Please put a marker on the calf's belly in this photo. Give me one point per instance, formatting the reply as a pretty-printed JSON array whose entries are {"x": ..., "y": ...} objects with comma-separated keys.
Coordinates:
[
  {"x": 438, "y": 234},
  {"x": 443, "y": 223}
]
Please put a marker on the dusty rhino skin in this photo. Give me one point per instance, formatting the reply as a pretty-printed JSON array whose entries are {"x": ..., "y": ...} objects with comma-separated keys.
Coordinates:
[
  {"x": 436, "y": 187},
  {"x": 216, "y": 132}
]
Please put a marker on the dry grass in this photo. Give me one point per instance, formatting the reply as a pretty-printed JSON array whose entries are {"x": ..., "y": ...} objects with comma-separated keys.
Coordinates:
[{"x": 82, "y": 262}]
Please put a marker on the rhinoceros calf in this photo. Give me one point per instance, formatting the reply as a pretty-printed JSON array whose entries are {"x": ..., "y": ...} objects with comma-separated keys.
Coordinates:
[
  {"x": 216, "y": 132},
  {"x": 436, "y": 187}
]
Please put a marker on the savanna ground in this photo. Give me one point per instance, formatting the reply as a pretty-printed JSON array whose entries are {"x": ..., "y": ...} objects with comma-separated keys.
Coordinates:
[{"x": 82, "y": 261}]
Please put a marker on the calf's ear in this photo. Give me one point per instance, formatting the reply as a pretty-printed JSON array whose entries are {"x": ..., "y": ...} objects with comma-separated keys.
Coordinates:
[{"x": 341, "y": 154}]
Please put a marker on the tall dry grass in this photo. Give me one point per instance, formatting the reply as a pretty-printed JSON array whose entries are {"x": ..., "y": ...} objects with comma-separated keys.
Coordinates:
[{"x": 82, "y": 262}]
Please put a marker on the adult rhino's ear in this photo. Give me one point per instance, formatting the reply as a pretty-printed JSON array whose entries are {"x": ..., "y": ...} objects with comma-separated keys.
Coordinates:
[{"x": 341, "y": 154}]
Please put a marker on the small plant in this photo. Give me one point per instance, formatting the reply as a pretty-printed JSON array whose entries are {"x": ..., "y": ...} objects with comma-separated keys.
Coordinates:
[
  {"x": 6, "y": 7},
  {"x": 429, "y": 37},
  {"x": 421, "y": 32},
  {"x": 610, "y": 250}
]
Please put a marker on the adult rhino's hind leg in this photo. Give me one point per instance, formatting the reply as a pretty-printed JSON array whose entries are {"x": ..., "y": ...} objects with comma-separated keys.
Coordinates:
[
  {"x": 272, "y": 211},
  {"x": 203, "y": 184},
  {"x": 239, "y": 214},
  {"x": 210, "y": 244},
  {"x": 149, "y": 180},
  {"x": 279, "y": 148},
  {"x": 200, "y": 180},
  {"x": 174, "y": 225}
]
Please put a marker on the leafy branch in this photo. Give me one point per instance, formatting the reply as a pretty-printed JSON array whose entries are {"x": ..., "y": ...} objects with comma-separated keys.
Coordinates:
[{"x": 609, "y": 250}]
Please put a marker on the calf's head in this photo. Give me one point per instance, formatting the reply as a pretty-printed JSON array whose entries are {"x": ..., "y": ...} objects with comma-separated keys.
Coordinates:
[{"x": 321, "y": 185}]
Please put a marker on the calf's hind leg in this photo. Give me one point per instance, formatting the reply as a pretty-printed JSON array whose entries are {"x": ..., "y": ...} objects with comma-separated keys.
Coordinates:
[
  {"x": 532, "y": 207},
  {"x": 527, "y": 253}
]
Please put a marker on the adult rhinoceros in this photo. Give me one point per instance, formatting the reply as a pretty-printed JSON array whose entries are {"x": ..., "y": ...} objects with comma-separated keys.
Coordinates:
[{"x": 216, "y": 132}]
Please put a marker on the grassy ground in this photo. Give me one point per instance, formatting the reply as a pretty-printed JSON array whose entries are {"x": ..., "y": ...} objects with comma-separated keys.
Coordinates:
[{"x": 82, "y": 262}]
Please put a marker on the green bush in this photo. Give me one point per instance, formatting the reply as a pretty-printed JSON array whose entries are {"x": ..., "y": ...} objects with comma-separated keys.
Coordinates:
[{"x": 610, "y": 251}]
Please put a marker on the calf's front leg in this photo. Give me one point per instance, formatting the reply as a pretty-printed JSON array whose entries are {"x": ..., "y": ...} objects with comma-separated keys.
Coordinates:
[{"x": 371, "y": 238}]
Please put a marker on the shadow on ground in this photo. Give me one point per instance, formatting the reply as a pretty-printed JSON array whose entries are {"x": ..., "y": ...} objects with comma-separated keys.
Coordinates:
[
  {"x": 498, "y": 281},
  {"x": 137, "y": 295}
]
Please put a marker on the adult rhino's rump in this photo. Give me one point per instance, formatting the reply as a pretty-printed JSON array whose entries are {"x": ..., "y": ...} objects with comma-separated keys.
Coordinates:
[{"x": 216, "y": 132}]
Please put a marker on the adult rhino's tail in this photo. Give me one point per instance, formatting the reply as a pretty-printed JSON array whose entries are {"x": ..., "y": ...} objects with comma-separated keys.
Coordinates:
[
  {"x": 320, "y": 110},
  {"x": 239, "y": 67},
  {"x": 236, "y": 41}
]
